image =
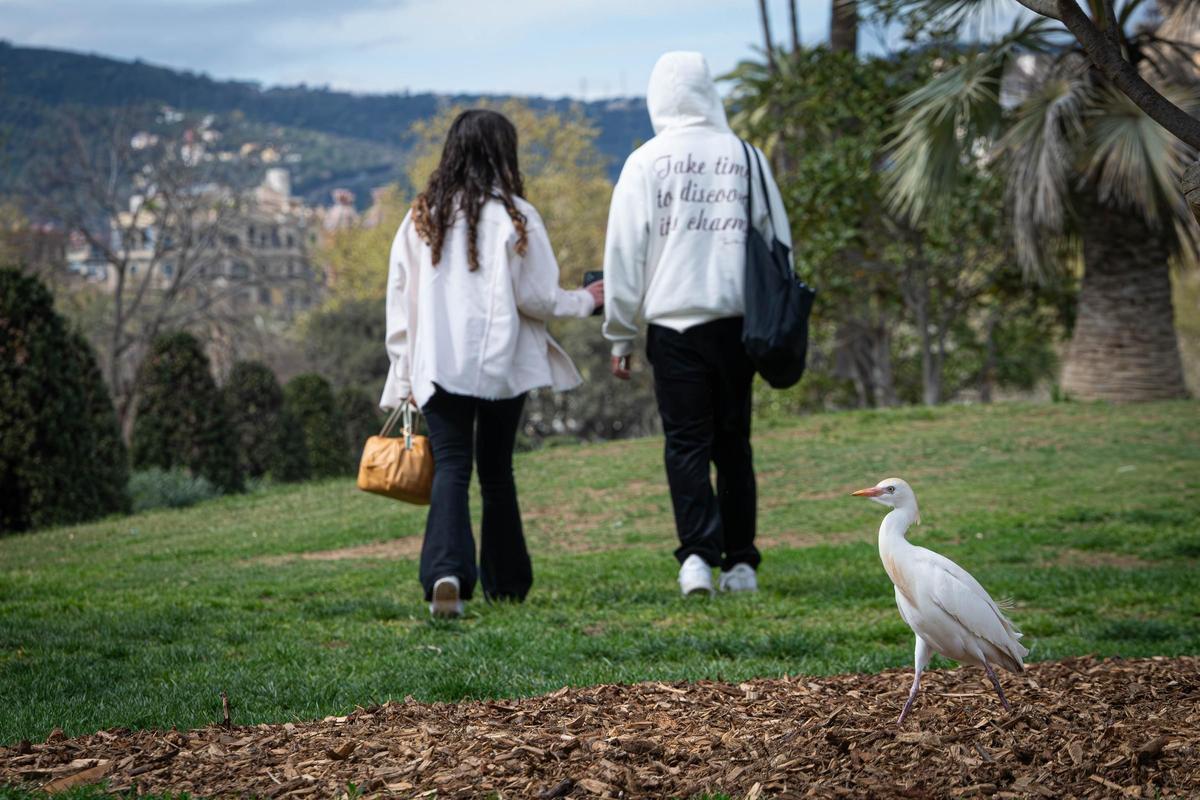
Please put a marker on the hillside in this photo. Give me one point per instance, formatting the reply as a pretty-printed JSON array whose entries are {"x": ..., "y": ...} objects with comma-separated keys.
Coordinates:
[{"x": 344, "y": 137}]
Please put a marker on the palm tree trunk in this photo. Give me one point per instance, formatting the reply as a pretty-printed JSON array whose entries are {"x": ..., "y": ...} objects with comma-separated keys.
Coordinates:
[
  {"x": 843, "y": 26},
  {"x": 794, "y": 20},
  {"x": 765, "y": 19},
  {"x": 1124, "y": 346}
]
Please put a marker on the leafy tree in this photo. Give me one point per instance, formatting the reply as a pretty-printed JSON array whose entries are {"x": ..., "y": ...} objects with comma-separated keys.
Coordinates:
[
  {"x": 896, "y": 298},
  {"x": 1086, "y": 173},
  {"x": 254, "y": 399},
  {"x": 310, "y": 401},
  {"x": 181, "y": 416},
  {"x": 344, "y": 340},
  {"x": 565, "y": 178},
  {"x": 356, "y": 256},
  {"x": 61, "y": 456}
]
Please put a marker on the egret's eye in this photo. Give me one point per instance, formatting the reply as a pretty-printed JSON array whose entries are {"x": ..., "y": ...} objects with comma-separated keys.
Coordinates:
[{"x": 891, "y": 489}]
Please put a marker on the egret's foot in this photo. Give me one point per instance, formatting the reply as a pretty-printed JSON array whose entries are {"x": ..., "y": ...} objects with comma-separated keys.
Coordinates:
[
  {"x": 904, "y": 711},
  {"x": 996, "y": 682}
]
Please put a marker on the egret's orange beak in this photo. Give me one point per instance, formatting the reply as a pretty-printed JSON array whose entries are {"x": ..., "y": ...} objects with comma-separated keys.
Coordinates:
[{"x": 874, "y": 491}]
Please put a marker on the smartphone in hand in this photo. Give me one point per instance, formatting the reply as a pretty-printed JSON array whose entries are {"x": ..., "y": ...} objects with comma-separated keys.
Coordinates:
[{"x": 590, "y": 277}]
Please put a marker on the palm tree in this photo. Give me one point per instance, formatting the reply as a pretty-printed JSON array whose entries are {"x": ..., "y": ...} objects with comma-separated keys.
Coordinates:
[
  {"x": 1088, "y": 176},
  {"x": 843, "y": 26}
]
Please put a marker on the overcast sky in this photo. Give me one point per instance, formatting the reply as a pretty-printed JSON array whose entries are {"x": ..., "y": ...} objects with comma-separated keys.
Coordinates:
[{"x": 582, "y": 48}]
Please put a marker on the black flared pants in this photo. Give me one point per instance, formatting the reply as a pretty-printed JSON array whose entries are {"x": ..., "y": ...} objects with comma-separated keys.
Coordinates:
[{"x": 462, "y": 427}]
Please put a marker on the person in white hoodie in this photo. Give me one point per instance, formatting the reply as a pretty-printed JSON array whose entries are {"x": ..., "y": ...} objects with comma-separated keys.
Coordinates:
[
  {"x": 675, "y": 258},
  {"x": 472, "y": 280}
]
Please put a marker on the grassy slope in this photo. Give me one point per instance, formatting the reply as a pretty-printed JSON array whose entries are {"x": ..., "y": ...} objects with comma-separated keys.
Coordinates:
[{"x": 1084, "y": 514}]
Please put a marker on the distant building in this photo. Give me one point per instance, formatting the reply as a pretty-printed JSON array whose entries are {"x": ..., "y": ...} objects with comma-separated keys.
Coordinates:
[
  {"x": 262, "y": 259},
  {"x": 342, "y": 214}
]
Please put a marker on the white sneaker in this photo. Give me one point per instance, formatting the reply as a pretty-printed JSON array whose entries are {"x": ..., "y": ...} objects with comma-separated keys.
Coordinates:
[
  {"x": 695, "y": 576},
  {"x": 741, "y": 578},
  {"x": 446, "y": 603}
]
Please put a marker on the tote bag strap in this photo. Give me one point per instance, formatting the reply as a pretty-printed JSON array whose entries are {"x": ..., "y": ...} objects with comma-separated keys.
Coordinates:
[
  {"x": 749, "y": 186},
  {"x": 762, "y": 179}
]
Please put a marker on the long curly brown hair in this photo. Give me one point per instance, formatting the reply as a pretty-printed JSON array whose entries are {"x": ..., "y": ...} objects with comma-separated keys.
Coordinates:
[{"x": 479, "y": 162}]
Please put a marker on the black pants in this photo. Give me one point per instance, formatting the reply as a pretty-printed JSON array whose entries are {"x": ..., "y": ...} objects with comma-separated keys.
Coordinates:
[
  {"x": 459, "y": 426},
  {"x": 702, "y": 379}
]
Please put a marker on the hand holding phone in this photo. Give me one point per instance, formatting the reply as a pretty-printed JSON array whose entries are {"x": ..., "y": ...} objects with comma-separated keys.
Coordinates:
[{"x": 593, "y": 281}]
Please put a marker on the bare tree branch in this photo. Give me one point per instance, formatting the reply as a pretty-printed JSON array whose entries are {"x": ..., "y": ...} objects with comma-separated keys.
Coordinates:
[
  {"x": 1047, "y": 8},
  {"x": 1108, "y": 59},
  {"x": 166, "y": 255}
]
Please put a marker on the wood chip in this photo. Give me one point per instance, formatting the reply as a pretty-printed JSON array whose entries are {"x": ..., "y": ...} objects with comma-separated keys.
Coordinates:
[{"x": 1133, "y": 731}]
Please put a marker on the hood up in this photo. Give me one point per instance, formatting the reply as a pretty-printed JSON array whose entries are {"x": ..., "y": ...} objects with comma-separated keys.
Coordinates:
[{"x": 682, "y": 94}]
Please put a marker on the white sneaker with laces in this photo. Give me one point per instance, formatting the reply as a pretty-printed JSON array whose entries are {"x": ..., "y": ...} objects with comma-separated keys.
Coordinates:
[
  {"x": 695, "y": 576},
  {"x": 446, "y": 603},
  {"x": 742, "y": 578}
]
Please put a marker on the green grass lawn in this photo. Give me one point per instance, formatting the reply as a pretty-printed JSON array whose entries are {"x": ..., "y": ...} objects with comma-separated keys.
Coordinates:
[{"x": 1085, "y": 515}]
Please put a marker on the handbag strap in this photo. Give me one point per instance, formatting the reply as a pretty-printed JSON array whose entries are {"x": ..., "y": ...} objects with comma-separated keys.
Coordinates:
[
  {"x": 762, "y": 177},
  {"x": 402, "y": 412}
]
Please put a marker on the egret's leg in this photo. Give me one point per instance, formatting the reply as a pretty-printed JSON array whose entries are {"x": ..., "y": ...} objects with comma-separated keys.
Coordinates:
[
  {"x": 921, "y": 659},
  {"x": 996, "y": 682}
]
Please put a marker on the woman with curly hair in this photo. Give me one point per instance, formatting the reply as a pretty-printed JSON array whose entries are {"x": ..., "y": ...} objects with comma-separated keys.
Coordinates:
[{"x": 472, "y": 280}]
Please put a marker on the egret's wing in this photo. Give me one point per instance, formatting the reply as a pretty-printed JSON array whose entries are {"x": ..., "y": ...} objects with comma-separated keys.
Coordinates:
[{"x": 956, "y": 592}]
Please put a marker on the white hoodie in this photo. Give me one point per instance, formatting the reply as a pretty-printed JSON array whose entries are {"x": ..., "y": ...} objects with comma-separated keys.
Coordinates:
[{"x": 676, "y": 246}]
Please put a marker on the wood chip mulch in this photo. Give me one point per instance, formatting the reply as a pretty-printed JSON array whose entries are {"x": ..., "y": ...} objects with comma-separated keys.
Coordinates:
[{"x": 1079, "y": 728}]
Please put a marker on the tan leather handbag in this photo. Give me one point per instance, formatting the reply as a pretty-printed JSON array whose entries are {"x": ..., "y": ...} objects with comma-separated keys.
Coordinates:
[{"x": 399, "y": 467}]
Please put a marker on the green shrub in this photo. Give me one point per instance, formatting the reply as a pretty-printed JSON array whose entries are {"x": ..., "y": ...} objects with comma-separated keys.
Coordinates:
[
  {"x": 309, "y": 399},
  {"x": 108, "y": 486},
  {"x": 181, "y": 418},
  {"x": 362, "y": 419},
  {"x": 267, "y": 441},
  {"x": 175, "y": 488},
  {"x": 61, "y": 456},
  {"x": 291, "y": 462}
]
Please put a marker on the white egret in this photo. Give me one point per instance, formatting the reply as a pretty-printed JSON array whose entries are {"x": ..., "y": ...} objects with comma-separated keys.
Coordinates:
[{"x": 947, "y": 609}]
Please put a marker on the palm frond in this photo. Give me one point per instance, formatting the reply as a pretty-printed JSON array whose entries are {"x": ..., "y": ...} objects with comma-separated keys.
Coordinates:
[
  {"x": 942, "y": 123},
  {"x": 1041, "y": 150},
  {"x": 947, "y": 15},
  {"x": 1136, "y": 164}
]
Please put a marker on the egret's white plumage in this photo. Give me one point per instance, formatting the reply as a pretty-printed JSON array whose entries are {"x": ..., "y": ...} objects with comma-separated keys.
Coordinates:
[{"x": 947, "y": 609}]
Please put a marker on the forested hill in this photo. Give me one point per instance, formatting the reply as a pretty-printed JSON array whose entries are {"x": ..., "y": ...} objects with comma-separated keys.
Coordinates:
[{"x": 37, "y": 83}]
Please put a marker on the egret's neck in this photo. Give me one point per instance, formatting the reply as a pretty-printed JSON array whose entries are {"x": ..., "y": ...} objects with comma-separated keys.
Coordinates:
[{"x": 895, "y": 526}]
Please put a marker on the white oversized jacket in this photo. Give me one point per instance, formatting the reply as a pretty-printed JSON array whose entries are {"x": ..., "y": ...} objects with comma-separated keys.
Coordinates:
[
  {"x": 480, "y": 333},
  {"x": 675, "y": 250}
]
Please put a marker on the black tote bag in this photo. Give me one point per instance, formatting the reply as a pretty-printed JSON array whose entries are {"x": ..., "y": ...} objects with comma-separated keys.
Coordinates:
[{"x": 778, "y": 304}]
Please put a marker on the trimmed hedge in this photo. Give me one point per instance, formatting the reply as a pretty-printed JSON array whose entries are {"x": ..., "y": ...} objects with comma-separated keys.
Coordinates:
[
  {"x": 309, "y": 399},
  {"x": 268, "y": 442},
  {"x": 61, "y": 455},
  {"x": 108, "y": 488},
  {"x": 362, "y": 418},
  {"x": 181, "y": 418}
]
